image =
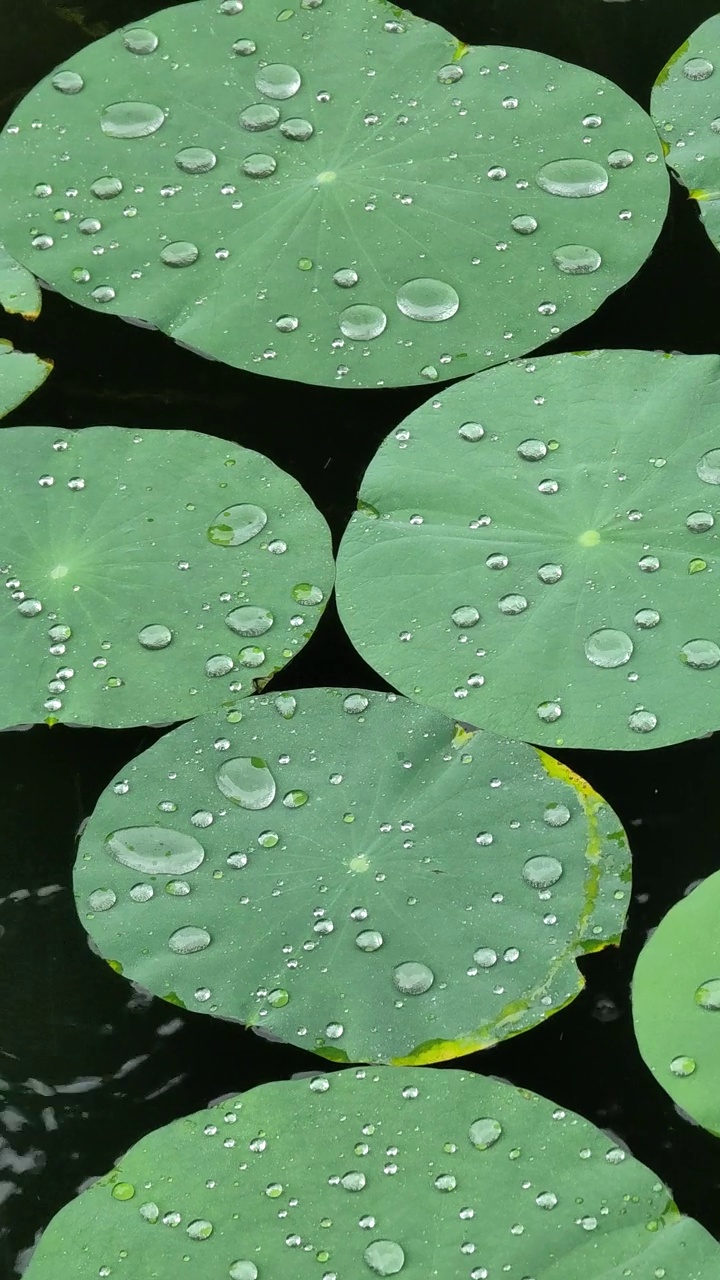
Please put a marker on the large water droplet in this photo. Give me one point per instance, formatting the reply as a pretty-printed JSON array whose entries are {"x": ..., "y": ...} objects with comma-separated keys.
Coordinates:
[
  {"x": 140, "y": 40},
  {"x": 353, "y": 1181},
  {"x": 484, "y": 1133},
  {"x": 199, "y": 1229},
  {"x": 542, "y": 871},
  {"x": 572, "y": 177},
  {"x": 683, "y": 1066},
  {"x": 155, "y": 636},
  {"x": 512, "y": 604},
  {"x": 698, "y": 69},
  {"x": 385, "y": 1257},
  {"x": 427, "y": 299},
  {"x": 532, "y": 450},
  {"x": 247, "y": 781},
  {"x": 608, "y": 648},
  {"x": 243, "y": 1269},
  {"x": 260, "y": 116},
  {"x": 413, "y": 978},
  {"x": 466, "y": 615},
  {"x": 524, "y": 224},
  {"x": 700, "y": 521},
  {"x": 250, "y": 620},
  {"x": 362, "y": 321},
  {"x": 702, "y": 655},
  {"x": 196, "y": 160},
  {"x": 278, "y": 80},
  {"x": 188, "y": 939},
  {"x": 708, "y": 994},
  {"x": 182, "y": 253},
  {"x": 549, "y": 711},
  {"x": 577, "y": 259},
  {"x": 68, "y": 82},
  {"x": 155, "y": 850},
  {"x": 236, "y": 525},
  {"x": 131, "y": 119},
  {"x": 708, "y": 468}
]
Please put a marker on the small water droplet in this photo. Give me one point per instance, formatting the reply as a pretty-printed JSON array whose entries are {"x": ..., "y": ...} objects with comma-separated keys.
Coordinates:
[
  {"x": 243, "y": 1269},
  {"x": 708, "y": 468},
  {"x": 542, "y": 871},
  {"x": 220, "y": 664},
  {"x": 572, "y": 177},
  {"x": 577, "y": 259},
  {"x": 102, "y": 899},
  {"x": 259, "y": 165},
  {"x": 346, "y": 277},
  {"x": 140, "y": 40},
  {"x": 188, "y": 939},
  {"x": 683, "y": 1066},
  {"x": 524, "y": 224},
  {"x": 68, "y": 82},
  {"x": 427, "y": 299},
  {"x": 512, "y": 604},
  {"x": 355, "y": 704},
  {"x": 413, "y": 978},
  {"x": 698, "y": 69},
  {"x": 295, "y": 799},
  {"x": 532, "y": 450},
  {"x": 236, "y": 525},
  {"x": 700, "y": 521},
  {"x": 484, "y": 1133},
  {"x": 549, "y": 711},
  {"x": 123, "y": 1191},
  {"x": 369, "y": 940},
  {"x": 278, "y": 81},
  {"x": 131, "y": 119},
  {"x": 155, "y": 636},
  {"x": 385, "y": 1257},
  {"x": 196, "y": 160},
  {"x": 485, "y": 957},
  {"x": 182, "y": 253},
  {"x": 296, "y": 129},
  {"x": 642, "y": 721},
  {"x": 608, "y": 648}
]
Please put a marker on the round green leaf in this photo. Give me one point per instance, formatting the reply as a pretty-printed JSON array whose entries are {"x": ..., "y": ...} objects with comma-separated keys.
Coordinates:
[
  {"x": 358, "y": 875},
  {"x": 537, "y": 551},
  {"x": 343, "y": 197},
  {"x": 150, "y": 576},
  {"x": 676, "y": 1003},
  {"x": 20, "y": 375},
  {"x": 687, "y": 115},
  {"x": 19, "y": 290},
  {"x": 417, "y": 1173}
]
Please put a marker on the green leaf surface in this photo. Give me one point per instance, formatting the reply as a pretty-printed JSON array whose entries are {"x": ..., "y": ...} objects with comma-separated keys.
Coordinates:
[
  {"x": 19, "y": 290},
  {"x": 427, "y": 1174},
  {"x": 537, "y": 551},
  {"x": 334, "y": 192},
  {"x": 356, "y": 874},
  {"x": 686, "y": 111},
  {"x": 150, "y": 576},
  {"x": 20, "y": 374},
  {"x": 676, "y": 1003}
]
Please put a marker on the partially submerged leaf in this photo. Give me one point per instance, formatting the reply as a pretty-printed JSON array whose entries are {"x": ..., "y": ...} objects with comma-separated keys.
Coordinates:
[
  {"x": 19, "y": 290},
  {"x": 347, "y": 196},
  {"x": 354, "y": 873},
  {"x": 676, "y": 1003},
  {"x": 537, "y": 551},
  {"x": 686, "y": 112},
  {"x": 20, "y": 375},
  {"x": 150, "y": 575},
  {"x": 417, "y": 1173}
]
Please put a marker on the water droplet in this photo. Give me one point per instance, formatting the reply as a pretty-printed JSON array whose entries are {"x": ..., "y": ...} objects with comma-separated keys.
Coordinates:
[
  {"x": 102, "y": 899},
  {"x": 549, "y": 711},
  {"x": 278, "y": 80},
  {"x": 142, "y": 892},
  {"x": 642, "y": 721},
  {"x": 465, "y": 616},
  {"x": 353, "y": 1181},
  {"x": 484, "y": 1133},
  {"x": 123, "y": 1191},
  {"x": 307, "y": 594},
  {"x": 259, "y": 165},
  {"x": 243, "y": 1269},
  {"x": 247, "y": 781},
  {"x": 250, "y": 620},
  {"x": 106, "y": 188},
  {"x": 155, "y": 636},
  {"x": 524, "y": 224},
  {"x": 700, "y": 521},
  {"x": 546, "y": 1200},
  {"x": 196, "y": 160},
  {"x": 697, "y": 565},
  {"x": 682, "y": 1066},
  {"x": 698, "y": 69},
  {"x": 485, "y": 957},
  {"x": 362, "y": 322},
  {"x": 385, "y": 1257},
  {"x": 427, "y": 299},
  {"x": 542, "y": 871},
  {"x": 471, "y": 431},
  {"x": 140, "y": 40},
  {"x": 346, "y": 277},
  {"x": 708, "y": 994},
  {"x": 548, "y": 486},
  {"x": 220, "y": 664},
  {"x": 355, "y": 704},
  {"x": 556, "y": 815},
  {"x": 532, "y": 450},
  {"x": 702, "y": 655},
  {"x": 182, "y": 253},
  {"x": 446, "y": 1182},
  {"x": 297, "y": 129},
  {"x": 608, "y": 648},
  {"x": 649, "y": 564},
  {"x": 334, "y": 1030},
  {"x": 620, "y": 159},
  {"x": 286, "y": 705},
  {"x": 278, "y": 998},
  {"x": 188, "y": 939},
  {"x": 131, "y": 119},
  {"x": 369, "y": 940},
  {"x": 550, "y": 573},
  {"x": 574, "y": 177},
  {"x": 413, "y": 978},
  {"x": 497, "y": 561},
  {"x": 29, "y": 608},
  {"x": 451, "y": 73},
  {"x": 103, "y": 293},
  {"x": 577, "y": 259},
  {"x": 708, "y": 468},
  {"x": 200, "y": 1229},
  {"x": 149, "y": 1211},
  {"x": 512, "y": 604},
  {"x": 155, "y": 850},
  {"x": 236, "y": 525},
  {"x": 287, "y": 324},
  {"x": 244, "y": 48},
  {"x": 68, "y": 82},
  {"x": 259, "y": 117},
  {"x": 295, "y": 799}
]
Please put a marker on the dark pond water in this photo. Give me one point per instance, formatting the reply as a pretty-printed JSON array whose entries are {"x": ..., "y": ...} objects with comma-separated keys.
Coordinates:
[{"x": 87, "y": 1066}]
